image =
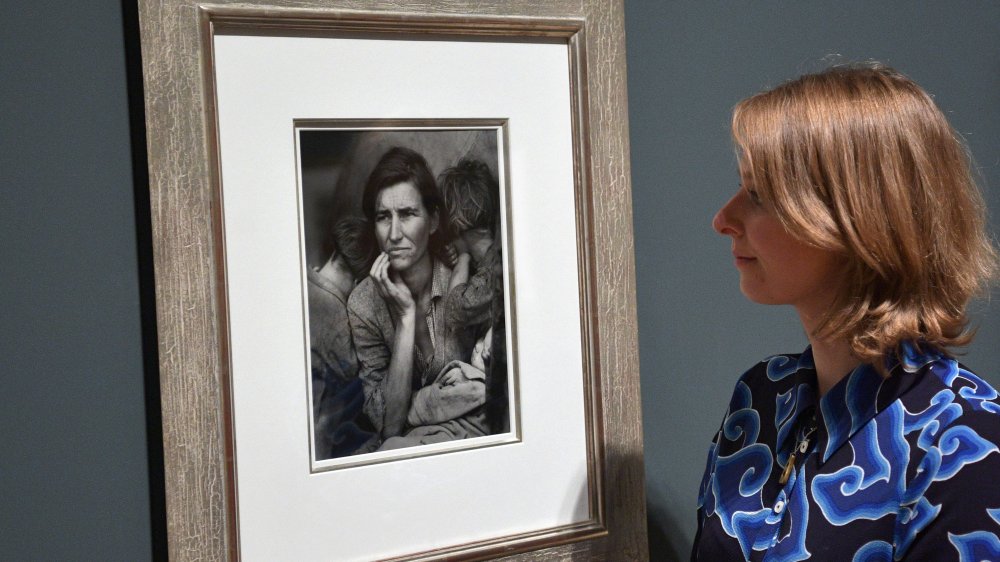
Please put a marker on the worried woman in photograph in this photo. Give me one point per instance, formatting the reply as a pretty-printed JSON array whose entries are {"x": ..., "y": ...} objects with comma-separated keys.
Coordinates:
[
  {"x": 397, "y": 315},
  {"x": 858, "y": 208}
]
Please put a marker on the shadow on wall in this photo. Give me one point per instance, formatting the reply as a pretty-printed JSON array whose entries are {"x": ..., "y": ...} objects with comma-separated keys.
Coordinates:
[{"x": 666, "y": 539}]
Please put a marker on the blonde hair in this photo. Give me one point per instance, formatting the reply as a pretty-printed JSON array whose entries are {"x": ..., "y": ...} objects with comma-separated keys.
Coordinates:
[{"x": 859, "y": 160}]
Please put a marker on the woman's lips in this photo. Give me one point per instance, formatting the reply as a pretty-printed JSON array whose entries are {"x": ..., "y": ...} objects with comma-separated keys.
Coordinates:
[{"x": 743, "y": 260}]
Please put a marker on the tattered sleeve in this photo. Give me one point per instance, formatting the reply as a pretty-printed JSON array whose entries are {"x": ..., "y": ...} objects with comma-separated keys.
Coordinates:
[
  {"x": 372, "y": 347},
  {"x": 470, "y": 303}
]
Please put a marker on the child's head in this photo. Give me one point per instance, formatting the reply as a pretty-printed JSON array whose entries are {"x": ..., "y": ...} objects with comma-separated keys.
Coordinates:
[
  {"x": 471, "y": 196},
  {"x": 349, "y": 240}
]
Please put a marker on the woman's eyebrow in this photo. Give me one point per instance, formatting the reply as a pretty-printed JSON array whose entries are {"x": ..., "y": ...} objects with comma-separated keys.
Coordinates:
[{"x": 410, "y": 210}]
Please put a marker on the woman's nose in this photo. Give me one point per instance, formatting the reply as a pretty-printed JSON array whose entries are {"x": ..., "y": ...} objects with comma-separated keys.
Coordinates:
[
  {"x": 395, "y": 232},
  {"x": 724, "y": 222}
]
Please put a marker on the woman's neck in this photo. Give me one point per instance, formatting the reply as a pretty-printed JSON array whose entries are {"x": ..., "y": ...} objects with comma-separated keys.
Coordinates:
[
  {"x": 833, "y": 358},
  {"x": 418, "y": 277}
]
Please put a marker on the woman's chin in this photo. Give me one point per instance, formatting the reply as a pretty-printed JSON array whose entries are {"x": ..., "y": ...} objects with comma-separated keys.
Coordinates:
[
  {"x": 755, "y": 295},
  {"x": 399, "y": 263}
]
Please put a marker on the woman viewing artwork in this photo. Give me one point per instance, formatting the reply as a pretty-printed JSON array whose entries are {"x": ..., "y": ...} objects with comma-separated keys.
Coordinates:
[{"x": 857, "y": 206}]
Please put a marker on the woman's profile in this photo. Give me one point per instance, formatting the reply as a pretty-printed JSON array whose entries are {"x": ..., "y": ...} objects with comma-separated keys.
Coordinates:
[{"x": 857, "y": 206}]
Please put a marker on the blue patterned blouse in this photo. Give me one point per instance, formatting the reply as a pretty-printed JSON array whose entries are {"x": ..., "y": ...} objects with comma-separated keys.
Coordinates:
[{"x": 881, "y": 469}]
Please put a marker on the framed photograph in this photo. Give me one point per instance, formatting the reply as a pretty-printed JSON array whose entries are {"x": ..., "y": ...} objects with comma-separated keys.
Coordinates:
[
  {"x": 395, "y": 281},
  {"x": 466, "y": 398}
]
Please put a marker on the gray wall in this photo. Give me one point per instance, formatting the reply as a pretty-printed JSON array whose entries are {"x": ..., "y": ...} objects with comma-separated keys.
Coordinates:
[
  {"x": 74, "y": 483},
  {"x": 74, "y": 478},
  {"x": 688, "y": 64}
]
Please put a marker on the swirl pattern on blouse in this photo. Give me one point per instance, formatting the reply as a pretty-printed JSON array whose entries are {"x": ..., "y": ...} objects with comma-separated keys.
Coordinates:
[{"x": 903, "y": 467}]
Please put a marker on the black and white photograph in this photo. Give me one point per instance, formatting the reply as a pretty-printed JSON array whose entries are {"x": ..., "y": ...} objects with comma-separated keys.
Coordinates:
[{"x": 405, "y": 294}]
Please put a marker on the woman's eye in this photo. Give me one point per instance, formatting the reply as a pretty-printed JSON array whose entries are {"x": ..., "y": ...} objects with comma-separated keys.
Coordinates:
[{"x": 752, "y": 194}]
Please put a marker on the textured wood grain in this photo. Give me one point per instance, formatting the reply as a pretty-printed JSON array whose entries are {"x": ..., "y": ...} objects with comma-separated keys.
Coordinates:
[
  {"x": 190, "y": 308},
  {"x": 615, "y": 278},
  {"x": 183, "y": 246}
]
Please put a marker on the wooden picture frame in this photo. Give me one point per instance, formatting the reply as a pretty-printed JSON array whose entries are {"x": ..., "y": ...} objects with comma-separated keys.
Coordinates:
[{"x": 194, "y": 319}]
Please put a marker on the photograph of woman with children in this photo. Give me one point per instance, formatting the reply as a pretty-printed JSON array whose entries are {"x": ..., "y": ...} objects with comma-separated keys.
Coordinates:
[{"x": 405, "y": 287}]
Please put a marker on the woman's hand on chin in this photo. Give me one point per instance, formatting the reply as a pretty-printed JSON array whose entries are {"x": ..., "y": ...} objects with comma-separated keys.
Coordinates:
[{"x": 395, "y": 293}]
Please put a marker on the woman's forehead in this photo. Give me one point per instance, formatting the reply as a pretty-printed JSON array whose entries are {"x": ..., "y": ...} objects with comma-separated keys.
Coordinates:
[{"x": 399, "y": 196}]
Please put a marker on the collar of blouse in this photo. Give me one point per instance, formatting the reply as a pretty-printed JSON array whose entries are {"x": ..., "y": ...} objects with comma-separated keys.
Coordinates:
[{"x": 851, "y": 403}]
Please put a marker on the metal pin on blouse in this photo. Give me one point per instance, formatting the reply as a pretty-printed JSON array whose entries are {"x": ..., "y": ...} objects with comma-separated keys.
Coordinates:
[{"x": 788, "y": 469}]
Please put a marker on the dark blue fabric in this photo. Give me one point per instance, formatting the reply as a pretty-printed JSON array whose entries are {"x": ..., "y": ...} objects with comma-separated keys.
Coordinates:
[{"x": 904, "y": 467}]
